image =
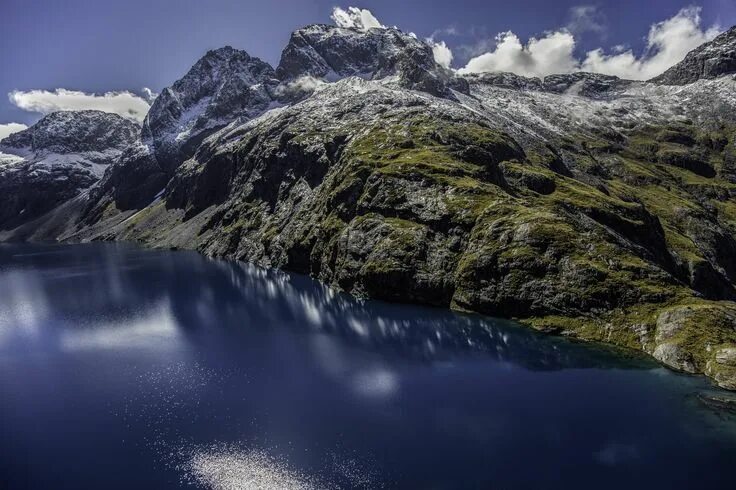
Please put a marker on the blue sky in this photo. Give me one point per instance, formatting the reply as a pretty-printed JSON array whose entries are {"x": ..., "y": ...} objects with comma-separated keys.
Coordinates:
[{"x": 103, "y": 46}]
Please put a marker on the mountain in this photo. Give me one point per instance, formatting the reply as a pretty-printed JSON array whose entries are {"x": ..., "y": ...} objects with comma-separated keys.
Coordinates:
[
  {"x": 580, "y": 204},
  {"x": 711, "y": 60},
  {"x": 332, "y": 53},
  {"x": 224, "y": 85},
  {"x": 57, "y": 158}
]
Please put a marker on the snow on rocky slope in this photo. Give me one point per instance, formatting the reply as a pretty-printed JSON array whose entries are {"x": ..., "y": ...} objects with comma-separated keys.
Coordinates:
[
  {"x": 224, "y": 84},
  {"x": 57, "y": 158},
  {"x": 331, "y": 53},
  {"x": 581, "y": 103}
]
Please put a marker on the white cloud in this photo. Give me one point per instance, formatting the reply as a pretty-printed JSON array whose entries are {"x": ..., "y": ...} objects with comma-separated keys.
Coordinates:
[
  {"x": 149, "y": 95},
  {"x": 10, "y": 128},
  {"x": 586, "y": 18},
  {"x": 126, "y": 104},
  {"x": 445, "y": 31},
  {"x": 300, "y": 86},
  {"x": 442, "y": 54},
  {"x": 355, "y": 18},
  {"x": 539, "y": 57},
  {"x": 667, "y": 44}
]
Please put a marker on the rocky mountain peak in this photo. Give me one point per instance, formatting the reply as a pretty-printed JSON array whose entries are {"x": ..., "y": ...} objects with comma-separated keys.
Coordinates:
[
  {"x": 711, "y": 60},
  {"x": 224, "y": 84},
  {"x": 332, "y": 53},
  {"x": 73, "y": 132}
]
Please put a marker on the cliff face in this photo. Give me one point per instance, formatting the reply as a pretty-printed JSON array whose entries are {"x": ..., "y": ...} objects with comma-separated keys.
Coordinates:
[
  {"x": 582, "y": 204},
  {"x": 223, "y": 85}
]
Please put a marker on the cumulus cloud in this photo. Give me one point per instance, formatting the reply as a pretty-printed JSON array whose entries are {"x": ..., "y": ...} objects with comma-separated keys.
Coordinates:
[
  {"x": 126, "y": 104},
  {"x": 10, "y": 128},
  {"x": 539, "y": 57},
  {"x": 442, "y": 54},
  {"x": 355, "y": 18},
  {"x": 667, "y": 44}
]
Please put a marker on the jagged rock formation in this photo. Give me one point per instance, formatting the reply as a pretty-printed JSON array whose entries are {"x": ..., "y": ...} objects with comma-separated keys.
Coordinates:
[
  {"x": 56, "y": 159},
  {"x": 229, "y": 85},
  {"x": 223, "y": 85},
  {"x": 332, "y": 53},
  {"x": 582, "y": 204},
  {"x": 711, "y": 60}
]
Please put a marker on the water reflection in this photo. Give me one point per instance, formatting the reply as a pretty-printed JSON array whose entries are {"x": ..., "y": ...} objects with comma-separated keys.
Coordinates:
[
  {"x": 118, "y": 296},
  {"x": 152, "y": 330}
]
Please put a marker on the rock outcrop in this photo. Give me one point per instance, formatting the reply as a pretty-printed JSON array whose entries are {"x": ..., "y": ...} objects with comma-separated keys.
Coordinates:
[
  {"x": 711, "y": 60},
  {"x": 224, "y": 85}
]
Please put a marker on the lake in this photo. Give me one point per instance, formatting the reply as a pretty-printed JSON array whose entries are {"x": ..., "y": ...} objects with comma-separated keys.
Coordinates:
[{"x": 129, "y": 368}]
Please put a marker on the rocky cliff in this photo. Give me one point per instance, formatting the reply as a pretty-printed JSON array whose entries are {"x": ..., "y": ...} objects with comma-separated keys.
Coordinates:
[
  {"x": 223, "y": 85},
  {"x": 711, "y": 60},
  {"x": 581, "y": 204}
]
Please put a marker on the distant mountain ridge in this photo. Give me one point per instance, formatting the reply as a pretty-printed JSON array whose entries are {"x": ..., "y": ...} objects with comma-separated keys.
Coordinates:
[
  {"x": 63, "y": 154},
  {"x": 581, "y": 203}
]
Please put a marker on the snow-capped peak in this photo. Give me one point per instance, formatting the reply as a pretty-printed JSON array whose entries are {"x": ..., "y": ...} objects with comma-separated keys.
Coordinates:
[{"x": 223, "y": 85}]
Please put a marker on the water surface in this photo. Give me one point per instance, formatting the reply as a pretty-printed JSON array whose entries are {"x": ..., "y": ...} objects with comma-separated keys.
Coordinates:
[{"x": 130, "y": 368}]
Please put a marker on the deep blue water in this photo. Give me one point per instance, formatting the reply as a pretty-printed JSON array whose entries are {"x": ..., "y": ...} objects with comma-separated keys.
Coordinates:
[{"x": 130, "y": 368}]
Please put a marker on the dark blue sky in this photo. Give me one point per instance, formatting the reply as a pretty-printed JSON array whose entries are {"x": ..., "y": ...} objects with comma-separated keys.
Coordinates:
[{"x": 99, "y": 46}]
